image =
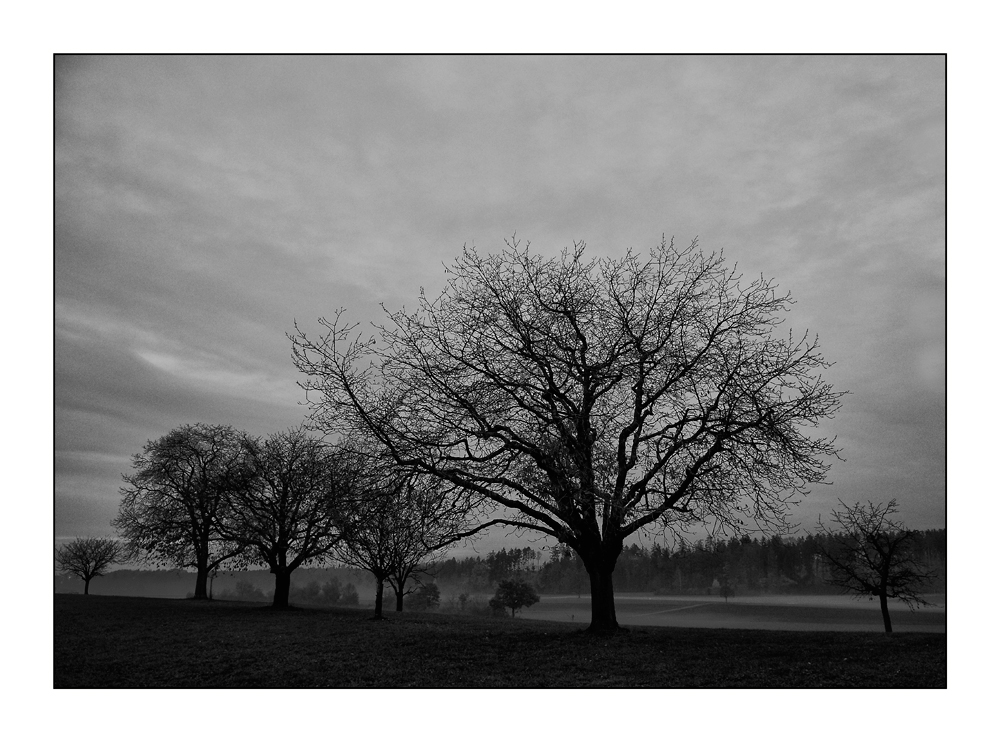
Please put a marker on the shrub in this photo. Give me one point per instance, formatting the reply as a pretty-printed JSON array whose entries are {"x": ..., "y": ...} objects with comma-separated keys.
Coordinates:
[
  {"x": 331, "y": 591},
  {"x": 426, "y": 597},
  {"x": 350, "y": 595}
]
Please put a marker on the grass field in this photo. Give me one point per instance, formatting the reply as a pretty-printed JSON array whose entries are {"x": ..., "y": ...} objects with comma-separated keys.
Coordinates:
[
  {"x": 782, "y": 612},
  {"x": 105, "y": 642}
]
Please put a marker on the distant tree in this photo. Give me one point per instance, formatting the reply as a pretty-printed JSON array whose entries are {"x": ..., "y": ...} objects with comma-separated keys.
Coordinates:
[
  {"x": 870, "y": 554},
  {"x": 286, "y": 513},
  {"x": 177, "y": 497},
  {"x": 332, "y": 591},
  {"x": 88, "y": 558},
  {"x": 426, "y": 597},
  {"x": 514, "y": 594},
  {"x": 308, "y": 594},
  {"x": 350, "y": 594},
  {"x": 397, "y": 522},
  {"x": 246, "y": 591},
  {"x": 589, "y": 400}
]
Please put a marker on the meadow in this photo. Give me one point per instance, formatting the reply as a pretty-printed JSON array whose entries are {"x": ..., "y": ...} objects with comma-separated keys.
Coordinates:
[
  {"x": 115, "y": 642},
  {"x": 778, "y": 612}
]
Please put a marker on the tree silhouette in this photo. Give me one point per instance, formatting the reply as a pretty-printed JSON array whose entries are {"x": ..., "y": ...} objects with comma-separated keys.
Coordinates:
[
  {"x": 588, "y": 400},
  {"x": 286, "y": 513},
  {"x": 178, "y": 495},
  {"x": 514, "y": 594},
  {"x": 88, "y": 558},
  {"x": 871, "y": 554},
  {"x": 396, "y": 521}
]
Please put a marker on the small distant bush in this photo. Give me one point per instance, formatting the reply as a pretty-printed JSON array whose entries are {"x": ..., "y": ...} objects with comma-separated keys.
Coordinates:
[
  {"x": 425, "y": 598},
  {"x": 350, "y": 595},
  {"x": 331, "y": 591},
  {"x": 245, "y": 591},
  {"x": 307, "y": 594}
]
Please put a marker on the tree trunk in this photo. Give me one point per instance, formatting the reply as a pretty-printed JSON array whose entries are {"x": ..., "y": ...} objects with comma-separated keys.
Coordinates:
[
  {"x": 884, "y": 603},
  {"x": 201, "y": 584},
  {"x": 399, "y": 601},
  {"x": 86, "y": 586},
  {"x": 380, "y": 587},
  {"x": 282, "y": 586},
  {"x": 602, "y": 601}
]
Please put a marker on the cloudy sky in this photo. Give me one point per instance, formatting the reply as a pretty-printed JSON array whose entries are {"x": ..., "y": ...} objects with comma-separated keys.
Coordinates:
[{"x": 204, "y": 204}]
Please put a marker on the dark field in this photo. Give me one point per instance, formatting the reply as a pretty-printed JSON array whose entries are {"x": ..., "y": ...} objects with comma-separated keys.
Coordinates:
[{"x": 105, "y": 642}]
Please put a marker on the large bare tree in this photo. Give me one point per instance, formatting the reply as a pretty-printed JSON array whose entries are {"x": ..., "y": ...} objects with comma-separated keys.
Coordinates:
[
  {"x": 870, "y": 554},
  {"x": 88, "y": 558},
  {"x": 589, "y": 399},
  {"x": 177, "y": 496},
  {"x": 286, "y": 515}
]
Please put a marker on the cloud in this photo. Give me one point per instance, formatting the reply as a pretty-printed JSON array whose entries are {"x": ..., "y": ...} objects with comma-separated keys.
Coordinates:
[{"x": 205, "y": 203}]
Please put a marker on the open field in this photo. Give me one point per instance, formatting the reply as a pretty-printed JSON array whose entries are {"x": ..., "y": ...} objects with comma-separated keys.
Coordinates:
[
  {"x": 781, "y": 612},
  {"x": 103, "y": 642}
]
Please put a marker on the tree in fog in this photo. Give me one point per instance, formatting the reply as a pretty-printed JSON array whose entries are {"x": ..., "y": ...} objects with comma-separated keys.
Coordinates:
[
  {"x": 514, "y": 594},
  {"x": 286, "y": 513},
  {"x": 177, "y": 496},
  {"x": 397, "y": 521},
  {"x": 589, "y": 400},
  {"x": 870, "y": 554},
  {"x": 88, "y": 558}
]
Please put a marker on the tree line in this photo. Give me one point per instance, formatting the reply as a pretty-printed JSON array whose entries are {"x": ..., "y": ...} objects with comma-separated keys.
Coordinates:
[
  {"x": 737, "y": 566},
  {"x": 210, "y": 497}
]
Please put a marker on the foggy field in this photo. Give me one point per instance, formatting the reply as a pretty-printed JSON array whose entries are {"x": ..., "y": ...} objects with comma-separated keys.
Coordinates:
[
  {"x": 781, "y": 612},
  {"x": 103, "y": 642}
]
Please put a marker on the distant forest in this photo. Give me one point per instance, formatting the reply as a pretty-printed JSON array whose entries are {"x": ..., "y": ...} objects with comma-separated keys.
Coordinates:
[
  {"x": 746, "y": 566},
  {"x": 743, "y": 566}
]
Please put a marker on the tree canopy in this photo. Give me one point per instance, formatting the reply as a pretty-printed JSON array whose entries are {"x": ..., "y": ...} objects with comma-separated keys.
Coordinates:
[
  {"x": 286, "y": 513},
  {"x": 870, "y": 554},
  {"x": 177, "y": 496},
  {"x": 589, "y": 399}
]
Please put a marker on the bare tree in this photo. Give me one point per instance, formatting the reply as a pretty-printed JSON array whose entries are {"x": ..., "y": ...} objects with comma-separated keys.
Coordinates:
[
  {"x": 871, "y": 554},
  {"x": 589, "y": 399},
  {"x": 286, "y": 515},
  {"x": 397, "y": 520},
  {"x": 177, "y": 496},
  {"x": 88, "y": 558}
]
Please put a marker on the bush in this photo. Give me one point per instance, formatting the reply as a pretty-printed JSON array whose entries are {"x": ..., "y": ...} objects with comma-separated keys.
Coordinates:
[
  {"x": 350, "y": 595},
  {"x": 245, "y": 591},
  {"x": 425, "y": 598},
  {"x": 331, "y": 591}
]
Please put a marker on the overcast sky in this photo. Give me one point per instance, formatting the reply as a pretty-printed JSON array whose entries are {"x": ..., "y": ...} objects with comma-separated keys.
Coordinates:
[{"x": 203, "y": 204}]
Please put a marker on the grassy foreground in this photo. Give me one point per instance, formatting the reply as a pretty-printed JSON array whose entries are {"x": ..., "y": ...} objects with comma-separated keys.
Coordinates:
[{"x": 114, "y": 642}]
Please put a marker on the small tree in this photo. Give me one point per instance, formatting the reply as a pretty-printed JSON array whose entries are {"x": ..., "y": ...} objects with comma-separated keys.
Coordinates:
[
  {"x": 514, "y": 594},
  {"x": 88, "y": 558},
  {"x": 426, "y": 597},
  {"x": 870, "y": 554},
  {"x": 397, "y": 521}
]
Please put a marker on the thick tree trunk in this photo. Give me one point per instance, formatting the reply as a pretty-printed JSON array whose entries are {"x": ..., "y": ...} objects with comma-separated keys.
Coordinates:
[
  {"x": 282, "y": 586},
  {"x": 379, "y": 589},
  {"x": 399, "y": 601},
  {"x": 201, "y": 584},
  {"x": 884, "y": 603},
  {"x": 602, "y": 601},
  {"x": 86, "y": 586}
]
